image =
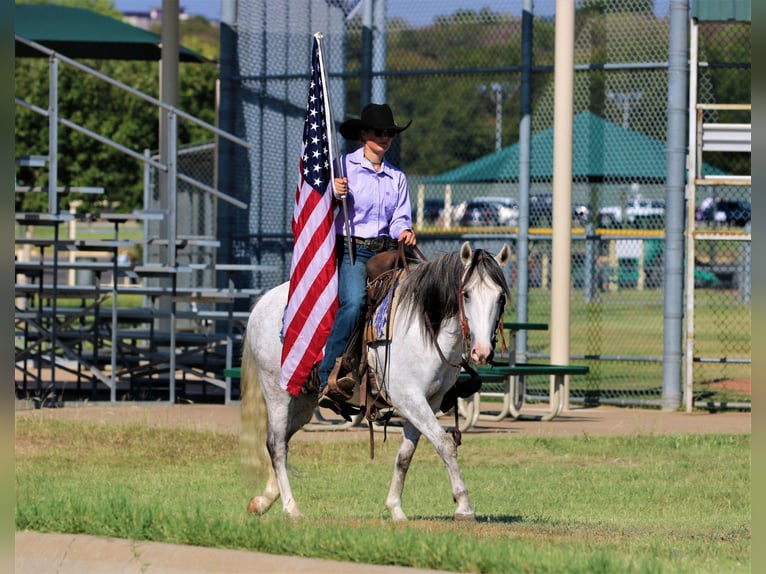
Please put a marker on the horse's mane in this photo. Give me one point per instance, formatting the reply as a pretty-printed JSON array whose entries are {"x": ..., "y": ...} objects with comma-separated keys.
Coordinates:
[{"x": 431, "y": 293}]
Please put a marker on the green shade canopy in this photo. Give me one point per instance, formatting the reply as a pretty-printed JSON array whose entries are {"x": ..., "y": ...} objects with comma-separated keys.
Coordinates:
[
  {"x": 79, "y": 33},
  {"x": 721, "y": 10},
  {"x": 602, "y": 150}
]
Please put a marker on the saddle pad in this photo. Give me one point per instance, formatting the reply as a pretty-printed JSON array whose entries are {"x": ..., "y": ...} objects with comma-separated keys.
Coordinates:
[{"x": 378, "y": 325}]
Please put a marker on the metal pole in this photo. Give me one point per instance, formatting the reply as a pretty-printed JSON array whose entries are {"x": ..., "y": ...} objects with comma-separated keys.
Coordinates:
[
  {"x": 525, "y": 146},
  {"x": 365, "y": 74},
  {"x": 379, "y": 50},
  {"x": 169, "y": 95},
  {"x": 499, "y": 117},
  {"x": 336, "y": 164},
  {"x": 691, "y": 176},
  {"x": 589, "y": 281},
  {"x": 53, "y": 136},
  {"x": 227, "y": 219},
  {"x": 172, "y": 172},
  {"x": 167, "y": 179},
  {"x": 674, "y": 199},
  {"x": 562, "y": 186},
  {"x": 53, "y": 208}
]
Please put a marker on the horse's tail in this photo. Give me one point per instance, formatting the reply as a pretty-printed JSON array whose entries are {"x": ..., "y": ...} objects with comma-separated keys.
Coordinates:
[{"x": 254, "y": 455}]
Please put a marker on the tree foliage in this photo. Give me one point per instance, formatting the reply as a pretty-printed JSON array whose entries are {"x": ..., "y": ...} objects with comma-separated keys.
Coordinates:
[
  {"x": 436, "y": 75},
  {"x": 113, "y": 113}
]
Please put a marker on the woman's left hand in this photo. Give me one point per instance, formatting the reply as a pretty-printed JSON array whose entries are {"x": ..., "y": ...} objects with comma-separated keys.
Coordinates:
[{"x": 408, "y": 237}]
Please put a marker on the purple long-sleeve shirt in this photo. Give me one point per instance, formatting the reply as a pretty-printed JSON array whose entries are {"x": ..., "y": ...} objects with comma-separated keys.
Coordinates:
[{"x": 378, "y": 202}]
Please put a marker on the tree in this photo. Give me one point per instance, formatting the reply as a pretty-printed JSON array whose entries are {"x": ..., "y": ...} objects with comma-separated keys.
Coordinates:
[{"x": 113, "y": 113}]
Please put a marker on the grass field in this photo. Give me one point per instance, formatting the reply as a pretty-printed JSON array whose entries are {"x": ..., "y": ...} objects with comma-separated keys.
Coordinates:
[
  {"x": 629, "y": 323},
  {"x": 585, "y": 504}
]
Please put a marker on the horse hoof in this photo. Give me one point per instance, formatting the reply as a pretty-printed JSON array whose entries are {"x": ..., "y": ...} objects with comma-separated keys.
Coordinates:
[
  {"x": 256, "y": 506},
  {"x": 398, "y": 515},
  {"x": 465, "y": 517}
]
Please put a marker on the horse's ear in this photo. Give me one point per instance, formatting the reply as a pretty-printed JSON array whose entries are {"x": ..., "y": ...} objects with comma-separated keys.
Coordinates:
[
  {"x": 466, "y": 254},
  {"x": 504, "y": 256}
]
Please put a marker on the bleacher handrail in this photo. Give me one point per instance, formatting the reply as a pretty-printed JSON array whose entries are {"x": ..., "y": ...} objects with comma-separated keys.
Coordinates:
[{"x": 53, "y": 55}]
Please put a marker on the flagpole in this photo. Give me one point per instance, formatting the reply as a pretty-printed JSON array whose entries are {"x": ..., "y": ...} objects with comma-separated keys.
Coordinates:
[{"x": 333, "y": 143}]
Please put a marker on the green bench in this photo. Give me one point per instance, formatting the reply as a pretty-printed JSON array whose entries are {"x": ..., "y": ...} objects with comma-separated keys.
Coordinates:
[
  {"x": 507, "y": 381},
  {"x": 232, "y": 373}
]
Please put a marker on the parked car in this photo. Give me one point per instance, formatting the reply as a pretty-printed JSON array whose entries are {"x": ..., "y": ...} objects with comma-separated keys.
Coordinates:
[
  {"x": 639, "y": 212},
  {"x": 541, "y": 211},
  {"x": 432, "y": 210},
  {"x": 480, "y": 213},
  {"x": 729, "y": 212},
  {"x": 490, "y": 211}
]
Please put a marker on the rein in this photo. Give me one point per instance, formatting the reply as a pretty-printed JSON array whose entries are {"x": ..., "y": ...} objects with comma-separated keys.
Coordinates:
[
  {"x": 464, "y": 364},
  {"x": 464, "y": 322},
  {"x": 370, "y": 407},
  {"x": 372, "y": 413}
]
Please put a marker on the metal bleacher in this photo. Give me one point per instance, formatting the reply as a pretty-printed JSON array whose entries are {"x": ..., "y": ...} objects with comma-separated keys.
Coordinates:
[{"x": 79, "y": 334}]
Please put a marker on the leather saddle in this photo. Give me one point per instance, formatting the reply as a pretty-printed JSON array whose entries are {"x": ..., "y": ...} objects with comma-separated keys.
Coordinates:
[{"x": 351, "y": 384}]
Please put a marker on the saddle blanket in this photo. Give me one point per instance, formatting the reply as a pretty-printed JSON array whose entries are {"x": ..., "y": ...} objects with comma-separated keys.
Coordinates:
[{"x": 378, "y": 329}]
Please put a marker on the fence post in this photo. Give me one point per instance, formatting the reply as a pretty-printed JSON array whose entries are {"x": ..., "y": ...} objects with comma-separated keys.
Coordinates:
[
  {"x": 746, "y": 269},
  {"x": 589, "y": 277}
]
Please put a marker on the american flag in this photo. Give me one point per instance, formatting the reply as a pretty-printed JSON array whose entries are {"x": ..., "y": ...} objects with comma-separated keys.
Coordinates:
[{"x": 313, "y": 296}]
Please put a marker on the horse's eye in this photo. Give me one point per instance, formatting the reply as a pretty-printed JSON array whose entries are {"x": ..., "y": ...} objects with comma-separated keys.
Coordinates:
[{"x": 466, "y": 295}]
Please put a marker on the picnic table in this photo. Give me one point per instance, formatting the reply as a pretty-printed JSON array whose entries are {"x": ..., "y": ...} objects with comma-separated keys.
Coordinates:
[{"x": 506, "y": 379}]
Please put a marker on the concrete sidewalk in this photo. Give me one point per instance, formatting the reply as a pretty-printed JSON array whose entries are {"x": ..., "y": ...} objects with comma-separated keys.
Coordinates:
[{"x": 38, "y": 553}]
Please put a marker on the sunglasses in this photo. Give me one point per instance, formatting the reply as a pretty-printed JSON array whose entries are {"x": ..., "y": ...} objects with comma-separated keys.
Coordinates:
[{"x": 386, "y": 133}]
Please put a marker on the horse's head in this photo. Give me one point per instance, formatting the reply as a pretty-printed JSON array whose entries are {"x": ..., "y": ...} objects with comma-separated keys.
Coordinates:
[{"x": 484, "y": 293}]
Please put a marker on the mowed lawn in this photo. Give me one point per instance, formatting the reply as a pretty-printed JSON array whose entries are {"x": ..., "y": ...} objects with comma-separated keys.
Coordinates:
[{"x": 678, "y": 503}]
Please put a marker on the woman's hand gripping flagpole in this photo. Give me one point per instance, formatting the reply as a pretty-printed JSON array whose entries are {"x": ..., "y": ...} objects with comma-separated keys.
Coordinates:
[
  {"x": 336, "y": 164},
  {"x": 344, "y": 205}
]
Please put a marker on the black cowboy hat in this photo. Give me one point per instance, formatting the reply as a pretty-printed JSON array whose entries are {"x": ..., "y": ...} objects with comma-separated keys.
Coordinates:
[{"x": 374, "y": 117}]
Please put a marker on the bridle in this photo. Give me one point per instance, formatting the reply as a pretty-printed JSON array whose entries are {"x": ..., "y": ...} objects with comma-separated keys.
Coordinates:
[{"x": 465, "y": 328}]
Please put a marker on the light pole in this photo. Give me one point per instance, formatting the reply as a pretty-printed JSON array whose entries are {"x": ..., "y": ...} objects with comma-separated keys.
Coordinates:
[
  {"x": 497, "y": 89},
  {"x": 625, "y": 99}
]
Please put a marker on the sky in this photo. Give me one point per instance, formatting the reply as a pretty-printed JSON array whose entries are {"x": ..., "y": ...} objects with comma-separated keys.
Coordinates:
[{"x": 211, "y": 9}]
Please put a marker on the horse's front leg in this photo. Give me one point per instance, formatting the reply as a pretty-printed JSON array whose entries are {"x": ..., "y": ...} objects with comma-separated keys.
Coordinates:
[
  {"x": 429, "y": 426},
  {"x": 261, "y": 504},
  {"x": 410, "y": 438}
]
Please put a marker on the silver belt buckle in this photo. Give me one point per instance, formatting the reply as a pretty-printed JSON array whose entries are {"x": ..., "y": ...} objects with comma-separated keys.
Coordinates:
[{"x": 375, "y": 244}]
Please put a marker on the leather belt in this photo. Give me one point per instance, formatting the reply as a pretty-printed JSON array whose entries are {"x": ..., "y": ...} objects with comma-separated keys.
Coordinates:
[{"x": 375, "y": 244}]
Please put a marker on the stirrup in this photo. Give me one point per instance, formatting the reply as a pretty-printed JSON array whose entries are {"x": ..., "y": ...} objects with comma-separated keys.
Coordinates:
[
  {"x": 341, "y": 389},
  {"x": 339, "y": 408}
]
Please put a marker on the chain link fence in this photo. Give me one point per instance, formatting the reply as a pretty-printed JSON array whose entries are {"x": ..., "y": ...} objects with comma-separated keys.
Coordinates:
[
  {"x": 720, "y": 326},
  {"x": 456, "y": 71},
  {"x": 195, "y": 224}
]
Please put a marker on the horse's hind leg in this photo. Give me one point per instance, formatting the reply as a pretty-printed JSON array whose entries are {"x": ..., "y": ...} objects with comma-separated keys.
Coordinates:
[
  {"x": 277, "y": 483},
  {"x": 410, "y": 438},
  {"x": 278, "y": 438}
]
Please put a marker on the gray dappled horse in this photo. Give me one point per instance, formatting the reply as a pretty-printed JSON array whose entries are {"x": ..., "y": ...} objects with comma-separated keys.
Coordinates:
[{"x": 461, "y": 295}]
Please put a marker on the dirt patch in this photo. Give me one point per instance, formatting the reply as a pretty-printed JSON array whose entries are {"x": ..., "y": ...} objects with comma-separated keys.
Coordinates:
[
  {"x": 579, "y": 421},
  {"x": 741, "y": 386}
]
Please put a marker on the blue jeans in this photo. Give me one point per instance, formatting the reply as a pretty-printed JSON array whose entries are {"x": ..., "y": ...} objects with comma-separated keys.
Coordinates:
[{"x": 352, "y": 296}]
